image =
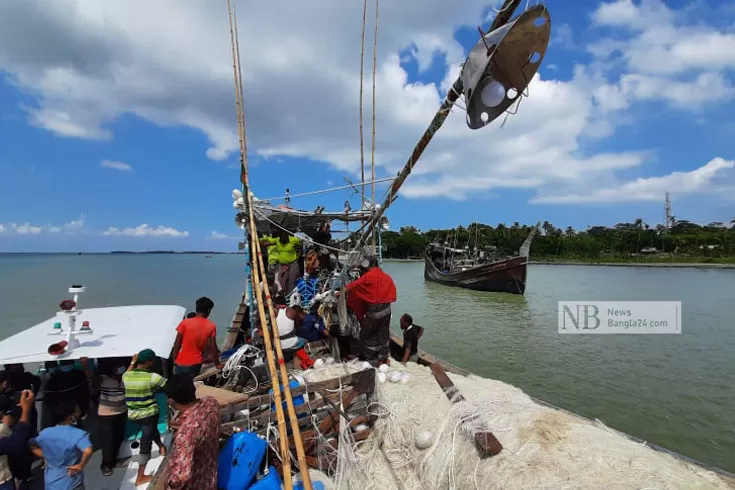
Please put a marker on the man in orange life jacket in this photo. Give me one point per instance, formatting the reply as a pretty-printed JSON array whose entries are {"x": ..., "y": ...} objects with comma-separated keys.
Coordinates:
[{"x": 370, "y": 298}]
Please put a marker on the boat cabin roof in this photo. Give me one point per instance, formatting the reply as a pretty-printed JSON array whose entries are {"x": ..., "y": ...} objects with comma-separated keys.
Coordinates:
[
  {"x": 437, "y": 246},
  {"x": 116, "y": 332}
]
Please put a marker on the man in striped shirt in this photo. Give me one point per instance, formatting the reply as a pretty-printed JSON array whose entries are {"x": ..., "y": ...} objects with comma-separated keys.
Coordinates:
[{"x": 141, "y": 385}]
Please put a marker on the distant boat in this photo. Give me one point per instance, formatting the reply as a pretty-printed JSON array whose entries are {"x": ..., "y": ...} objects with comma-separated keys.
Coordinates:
[
  {"x": 207, "y": 256},
  {"x": 458, "y": 268}
]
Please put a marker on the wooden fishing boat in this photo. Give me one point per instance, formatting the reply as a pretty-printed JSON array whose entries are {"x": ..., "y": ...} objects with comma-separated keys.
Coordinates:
[
  {"x": 322, "y": 417},
  {"x": 458, "y": 268},
  {"x": 332, "y": 404},
  {"x": 324, "y": 408}
]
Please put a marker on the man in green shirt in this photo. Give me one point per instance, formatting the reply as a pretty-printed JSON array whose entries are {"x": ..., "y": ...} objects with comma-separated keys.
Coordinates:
[
  {"x": 286, "y": 248},
  {"x": 272, "y": 262},
  {"x": 141, "y": 385}
]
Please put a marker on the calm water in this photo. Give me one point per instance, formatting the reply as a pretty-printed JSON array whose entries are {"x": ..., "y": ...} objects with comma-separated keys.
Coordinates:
[{"x": 674, "y": 390}]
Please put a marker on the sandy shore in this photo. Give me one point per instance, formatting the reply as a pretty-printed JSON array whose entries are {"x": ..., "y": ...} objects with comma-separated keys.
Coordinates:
[{"x": 685, "y": 265}]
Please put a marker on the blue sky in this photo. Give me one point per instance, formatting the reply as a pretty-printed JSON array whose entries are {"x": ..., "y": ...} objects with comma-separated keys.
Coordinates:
[{"x": 124, "y": 138}]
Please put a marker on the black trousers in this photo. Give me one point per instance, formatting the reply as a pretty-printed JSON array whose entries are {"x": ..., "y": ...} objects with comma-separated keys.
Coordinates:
[
  {"x": 150, "y": 434},
  {"x": 111, "y": 433}
]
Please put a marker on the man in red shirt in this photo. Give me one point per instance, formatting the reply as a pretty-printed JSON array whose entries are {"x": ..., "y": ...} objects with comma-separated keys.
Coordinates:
[
  {"x": 195, "y": 336},
  {"x": 370, "y": 298}
]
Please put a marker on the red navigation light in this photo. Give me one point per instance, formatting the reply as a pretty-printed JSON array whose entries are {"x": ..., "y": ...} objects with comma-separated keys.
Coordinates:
[
  {"x": 58, "y": 348},
  {"x": 67, "y": 305},
  {"x": 85, "y": 325}
]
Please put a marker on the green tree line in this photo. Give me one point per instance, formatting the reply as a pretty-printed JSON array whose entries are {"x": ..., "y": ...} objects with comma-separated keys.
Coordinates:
[{"x": 625, "y": 241}]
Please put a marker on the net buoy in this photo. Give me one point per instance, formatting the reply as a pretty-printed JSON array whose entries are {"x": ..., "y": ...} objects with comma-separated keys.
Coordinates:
[
  {"x": 405, "y": 378},
  {"x": 384, "y": 368},
  {"x": 382, "y": 377},
  {"x": 319, "y": 363},
  {"x": 330, "y": 360},
  {"x": 361, "y": 428},
  {"x": 424, "y": 439},
  {"x": 366, "y": 365},
  {"x": 395, "y": 377}
]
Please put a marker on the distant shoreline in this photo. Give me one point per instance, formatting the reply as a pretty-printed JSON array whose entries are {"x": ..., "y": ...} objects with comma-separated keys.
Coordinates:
[{"x": 681, "y": 265}]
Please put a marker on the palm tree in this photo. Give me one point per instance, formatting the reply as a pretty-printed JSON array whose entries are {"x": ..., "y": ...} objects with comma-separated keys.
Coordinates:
[{"x": 639, "y": 225}]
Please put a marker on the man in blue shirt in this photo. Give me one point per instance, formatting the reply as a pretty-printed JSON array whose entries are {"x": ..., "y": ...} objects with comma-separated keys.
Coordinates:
[
  {"x": 65, "y": 448},
  {"x": 310, "y": 326}
]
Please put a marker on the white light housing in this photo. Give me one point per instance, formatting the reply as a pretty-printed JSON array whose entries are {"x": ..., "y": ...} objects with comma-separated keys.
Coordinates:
[{"x": 493, "y": 93}]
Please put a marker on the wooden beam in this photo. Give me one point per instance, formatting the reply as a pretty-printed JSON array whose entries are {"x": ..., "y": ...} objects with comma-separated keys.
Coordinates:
[
  {"x": 487, "y": 444},
  {"x": 328, "y": 384}
]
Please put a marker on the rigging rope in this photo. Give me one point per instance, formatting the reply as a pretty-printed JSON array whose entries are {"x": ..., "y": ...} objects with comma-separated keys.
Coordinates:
[{"x": 322, "y": 191}]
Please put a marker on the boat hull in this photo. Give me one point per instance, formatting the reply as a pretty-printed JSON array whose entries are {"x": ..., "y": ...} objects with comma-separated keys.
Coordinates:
[{"x": 505, "y": 276}]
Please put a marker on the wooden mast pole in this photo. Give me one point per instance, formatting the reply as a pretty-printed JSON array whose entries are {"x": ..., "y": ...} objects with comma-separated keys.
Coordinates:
[
  {"x": 258, "y": 278},
  {"x": 295, "y": 429},
  {"x": 372, "y": 160},
  {"x": 281, "y": 420},
  {"x": 362, "y": 137}
]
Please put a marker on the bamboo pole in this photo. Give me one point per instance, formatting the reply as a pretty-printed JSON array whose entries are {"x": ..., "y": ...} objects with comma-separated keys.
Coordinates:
[
  {"x": 283, "y": 439},
  {"x": 362, "y": 137},
  {"x": 295, "y": 429},
  {"x": 285, "y": 454},
  {"x": 244, "y": 148},
  {"x": 259, "y": 273},
  {"x": 375, "y": 69},
  {"x": 234, "y": 42}
]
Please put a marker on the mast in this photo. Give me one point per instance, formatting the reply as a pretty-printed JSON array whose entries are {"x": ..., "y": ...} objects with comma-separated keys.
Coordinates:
[
  {"x": 362, "y": 137},
  {"x": 281, "y": 386},
  {"x": 372, "y": 158},
  {"x": 502, "y": 18}
]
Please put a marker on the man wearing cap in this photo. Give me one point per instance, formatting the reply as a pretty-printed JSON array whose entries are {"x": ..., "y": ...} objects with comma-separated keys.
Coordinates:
[
  {"x": 141, "y": 385},
  {"x": 370, "y": 298},
  {"x": 14, "y": 435}
]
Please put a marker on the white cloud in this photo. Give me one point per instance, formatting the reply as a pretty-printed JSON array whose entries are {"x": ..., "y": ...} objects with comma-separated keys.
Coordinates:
[
  {"x": 215, "y": 235},
  {"x": 75, "y": 225},
  {"x": 146, "y": 231},
  {"x": 123, "y": 167},
  {"x": 168, "y": 62},
  {"x": 668, "y": 57},
  {"x": 650, "y": 188},
  {"x": 27, "y": 228}
]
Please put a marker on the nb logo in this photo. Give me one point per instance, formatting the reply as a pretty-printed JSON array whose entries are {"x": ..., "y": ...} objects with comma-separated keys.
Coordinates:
[{"x": 581, "y": 316}]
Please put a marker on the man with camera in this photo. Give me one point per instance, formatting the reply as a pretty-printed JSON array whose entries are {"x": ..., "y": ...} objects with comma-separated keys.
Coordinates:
[{"x": 15, "y": 431}]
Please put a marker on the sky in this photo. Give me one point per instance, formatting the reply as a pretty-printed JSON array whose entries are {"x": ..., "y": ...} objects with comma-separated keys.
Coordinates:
[{"x": 118, "y": 128}]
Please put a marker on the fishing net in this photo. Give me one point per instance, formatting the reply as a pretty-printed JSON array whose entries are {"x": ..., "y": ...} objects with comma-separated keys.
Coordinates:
[{"x": 543, "y": 447}]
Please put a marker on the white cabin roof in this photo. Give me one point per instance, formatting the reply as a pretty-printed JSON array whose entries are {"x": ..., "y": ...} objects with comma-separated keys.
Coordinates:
[{"x": 116, "y": 332}]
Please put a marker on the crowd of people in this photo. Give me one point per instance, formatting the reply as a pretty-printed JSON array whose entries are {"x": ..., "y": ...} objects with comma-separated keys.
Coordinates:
[
  {"x": 118, "y": 392},
  {"x": 123, "y": 392},
  {"x": 295, "y": 271}
]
